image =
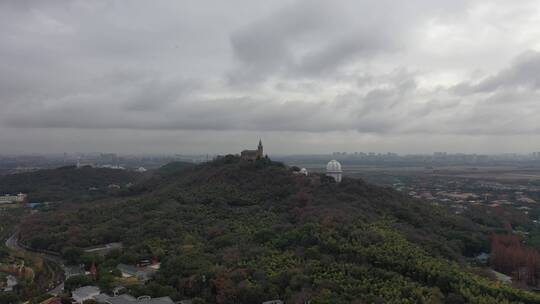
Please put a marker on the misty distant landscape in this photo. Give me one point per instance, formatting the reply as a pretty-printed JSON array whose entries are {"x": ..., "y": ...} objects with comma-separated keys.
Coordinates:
[{"x": 269, "y": 152}]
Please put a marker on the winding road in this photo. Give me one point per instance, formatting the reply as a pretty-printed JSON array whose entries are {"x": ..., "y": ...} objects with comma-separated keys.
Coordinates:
[{"x": 13, "y": 243}]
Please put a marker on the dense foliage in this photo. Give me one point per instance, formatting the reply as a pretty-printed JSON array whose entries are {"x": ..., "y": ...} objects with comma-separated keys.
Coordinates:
[
  {"x": 36, "y": 275},
  {"x": 509, "y": 256},
  {"x": 231, "y": 231},
  {"x": 66, "y": 183}
]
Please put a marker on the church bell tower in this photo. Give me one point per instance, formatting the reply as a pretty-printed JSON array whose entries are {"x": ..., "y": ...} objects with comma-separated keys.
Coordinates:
[{"x": 260, "y": 150}]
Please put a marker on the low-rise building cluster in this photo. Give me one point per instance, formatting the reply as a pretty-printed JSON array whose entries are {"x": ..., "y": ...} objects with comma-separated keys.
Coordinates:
[
  {"x": 93, "y": 293},
  {"x": 10, "y": 199},
  {"x": 460, "y": 194},
  {"x": 85, "y": 293}
]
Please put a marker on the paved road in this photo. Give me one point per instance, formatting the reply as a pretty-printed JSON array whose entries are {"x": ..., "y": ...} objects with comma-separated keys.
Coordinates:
[{"x": 13, "y": 244}]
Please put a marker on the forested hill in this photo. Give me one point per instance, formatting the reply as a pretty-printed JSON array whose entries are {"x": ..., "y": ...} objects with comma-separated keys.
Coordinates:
[
  {"x": 231, "y": 231},
  {"x": 66, "y": 182}
]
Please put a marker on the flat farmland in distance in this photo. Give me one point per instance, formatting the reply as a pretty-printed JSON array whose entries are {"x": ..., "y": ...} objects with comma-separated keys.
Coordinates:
[{"x": 503, "y": 172}]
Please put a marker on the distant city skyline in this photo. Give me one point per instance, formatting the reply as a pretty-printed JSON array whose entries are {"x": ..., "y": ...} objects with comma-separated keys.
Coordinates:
[
  {"x": 171, "y": 142},
  {"x": 306, "y": 76},
  {"x": 74, "y": 156}
]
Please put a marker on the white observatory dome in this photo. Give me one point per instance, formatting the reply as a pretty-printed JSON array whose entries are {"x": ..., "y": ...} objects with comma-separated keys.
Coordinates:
[
  {"x": 333, "y": 166},
  {"x": 333, "y": 169}
]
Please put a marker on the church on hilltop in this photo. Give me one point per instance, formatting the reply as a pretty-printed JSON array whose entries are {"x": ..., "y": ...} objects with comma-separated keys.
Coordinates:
[{"x": 252, "y": 155}]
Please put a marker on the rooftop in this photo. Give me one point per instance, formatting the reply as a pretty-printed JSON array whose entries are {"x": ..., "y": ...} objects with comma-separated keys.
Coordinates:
[
  {"x": 86, "y": 291},
  {"x": 127, "y": 299}
]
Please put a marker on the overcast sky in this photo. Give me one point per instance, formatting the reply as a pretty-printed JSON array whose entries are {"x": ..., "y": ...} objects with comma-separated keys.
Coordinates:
[{"x": 305, "y": 76}]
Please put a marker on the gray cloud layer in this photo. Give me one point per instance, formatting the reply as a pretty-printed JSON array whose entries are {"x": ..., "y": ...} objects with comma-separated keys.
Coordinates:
[{"x": 373, "y": 68}]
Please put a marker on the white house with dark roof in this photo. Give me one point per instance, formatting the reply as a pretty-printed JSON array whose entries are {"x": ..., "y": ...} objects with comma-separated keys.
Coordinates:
[{"x": 141, "y": 273}]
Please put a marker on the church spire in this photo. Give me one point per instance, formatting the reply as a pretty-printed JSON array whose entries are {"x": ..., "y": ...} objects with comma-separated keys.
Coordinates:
[{"x": 260, "y": 150}]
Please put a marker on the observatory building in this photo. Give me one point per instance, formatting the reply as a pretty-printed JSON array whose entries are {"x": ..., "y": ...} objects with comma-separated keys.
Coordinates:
[
  {"x": 333, "y": 169},
  {"x": 302, "y": 171}
]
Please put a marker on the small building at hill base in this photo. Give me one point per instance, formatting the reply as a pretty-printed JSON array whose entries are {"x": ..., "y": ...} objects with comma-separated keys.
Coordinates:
[
  {"x": 127, "y": 299},
  {"x": 142, "y": 274},
  {"x": 84, "y": 293},
  {"x": 302, "y": 171},
  {"x": 9, "y": 199}
]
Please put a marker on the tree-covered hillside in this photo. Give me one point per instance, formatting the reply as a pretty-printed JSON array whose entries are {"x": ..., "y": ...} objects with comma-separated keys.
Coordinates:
[
  {"x": 230, "y": 231},
  {"x": 66, "y": 183}
]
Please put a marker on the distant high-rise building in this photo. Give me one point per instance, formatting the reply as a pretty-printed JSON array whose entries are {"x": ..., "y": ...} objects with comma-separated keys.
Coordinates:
[{"x": 108, "y": 158}]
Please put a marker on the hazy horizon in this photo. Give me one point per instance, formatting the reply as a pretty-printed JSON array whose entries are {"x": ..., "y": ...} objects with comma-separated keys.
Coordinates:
[
  {"x": 278, "y": 154},
  {"x": 308, "y": 77}
]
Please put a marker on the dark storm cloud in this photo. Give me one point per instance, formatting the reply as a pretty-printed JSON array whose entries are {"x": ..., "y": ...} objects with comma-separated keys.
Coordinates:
[
  {"x": 395, "y": 106},
  {"x": 374, "y": 68},
  {"x": 338, "y": 53},
  {"x": 152, "y": 95},
  {"x": 316, "y": 38},
  {"x": 524, "y": 72},
  {"x": 307, "y": 39}
]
